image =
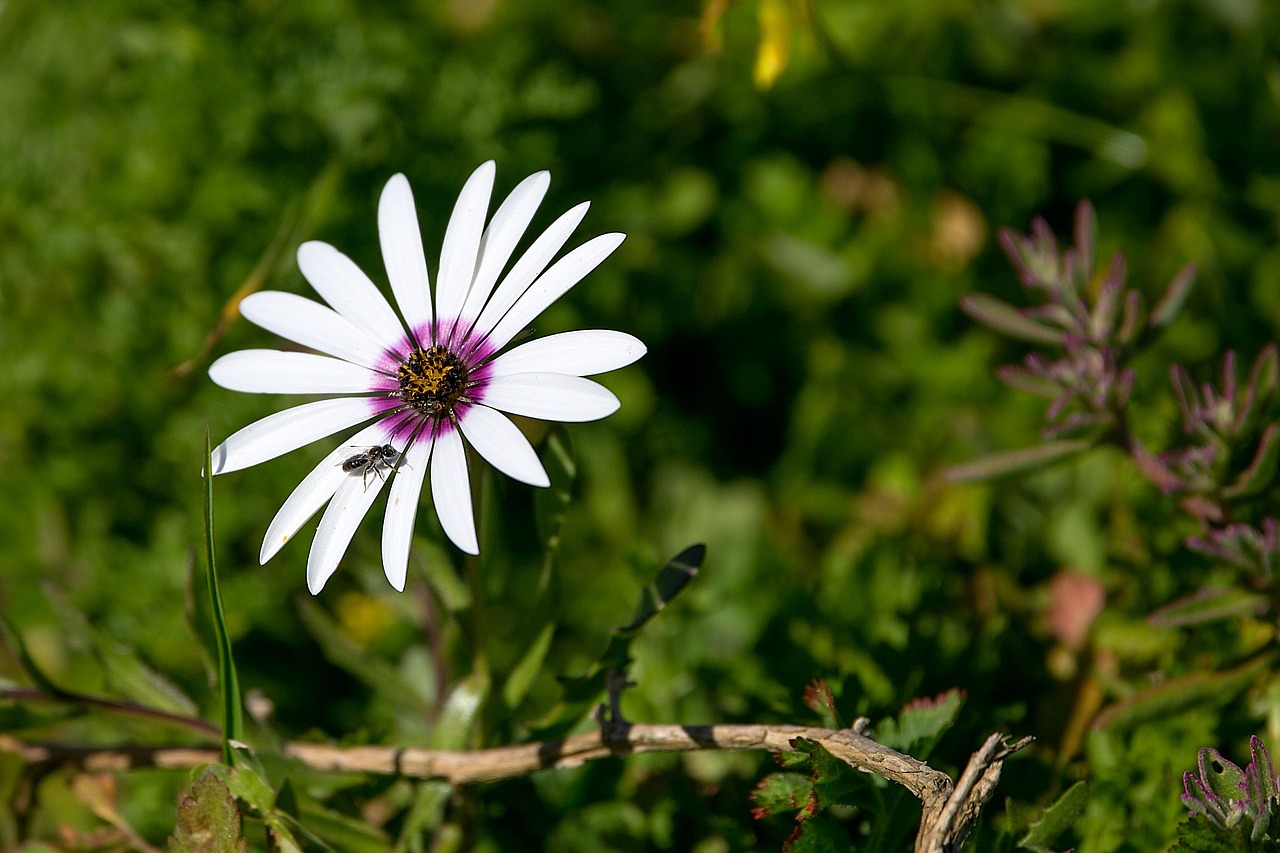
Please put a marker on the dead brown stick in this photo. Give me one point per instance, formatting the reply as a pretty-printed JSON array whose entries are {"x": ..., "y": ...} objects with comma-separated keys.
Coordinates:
[{"x": 949, "y": 810}]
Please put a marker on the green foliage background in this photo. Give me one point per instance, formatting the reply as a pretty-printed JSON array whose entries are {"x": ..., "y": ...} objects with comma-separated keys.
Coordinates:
[{"x": 794, "y": 259}]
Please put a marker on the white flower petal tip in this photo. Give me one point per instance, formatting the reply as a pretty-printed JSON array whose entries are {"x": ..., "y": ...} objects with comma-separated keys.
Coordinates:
[
  {"x": 382, "y": 361},
  {"x": 451, "y": 492},
  {"x": 551, "y": 397},
  {"x": 581, "y": 353},
  {"x": 503, "y": 446}
]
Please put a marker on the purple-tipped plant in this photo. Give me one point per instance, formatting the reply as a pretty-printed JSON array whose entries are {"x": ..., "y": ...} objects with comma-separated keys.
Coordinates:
[
  {"x": 1088, "y": 317},
  {"x": 1093, "y": 326},
  {"x": 1230, "y": 797},
  {"x": 1234, "y": 461}
]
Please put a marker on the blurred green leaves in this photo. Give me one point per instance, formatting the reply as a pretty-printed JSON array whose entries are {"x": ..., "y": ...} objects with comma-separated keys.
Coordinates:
[{"x": 808, "y": 191}]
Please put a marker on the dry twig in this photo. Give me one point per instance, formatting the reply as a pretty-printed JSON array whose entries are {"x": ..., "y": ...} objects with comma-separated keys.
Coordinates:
[{"x": 949, "y": 809}]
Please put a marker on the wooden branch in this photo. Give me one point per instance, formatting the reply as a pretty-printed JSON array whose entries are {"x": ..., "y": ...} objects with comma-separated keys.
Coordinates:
[{"x": 949, "y": 810}]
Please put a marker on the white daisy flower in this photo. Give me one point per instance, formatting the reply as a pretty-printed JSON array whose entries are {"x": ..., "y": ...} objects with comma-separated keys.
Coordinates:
[{"x": 427, "y": 378}]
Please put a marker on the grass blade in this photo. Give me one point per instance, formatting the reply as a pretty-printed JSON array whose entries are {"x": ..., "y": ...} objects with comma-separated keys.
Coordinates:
[{"x": 228, "y": 683}]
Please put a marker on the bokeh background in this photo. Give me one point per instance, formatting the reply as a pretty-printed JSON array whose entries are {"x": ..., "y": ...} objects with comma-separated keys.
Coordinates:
[{"x": 807, "y": 189}]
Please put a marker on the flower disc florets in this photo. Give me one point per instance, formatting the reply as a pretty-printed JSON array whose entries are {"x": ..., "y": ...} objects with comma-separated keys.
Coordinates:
[{"x": 433, "y": 380}]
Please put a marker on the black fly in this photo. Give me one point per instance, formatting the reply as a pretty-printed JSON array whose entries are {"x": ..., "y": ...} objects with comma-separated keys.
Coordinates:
[{"x": 371, "y": 460}]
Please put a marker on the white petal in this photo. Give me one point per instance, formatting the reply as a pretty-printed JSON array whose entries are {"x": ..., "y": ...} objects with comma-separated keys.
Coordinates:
[
  {"x": 344, "y": 286},
  {"x": 275, "y": 435},
  {"x": 268, "y": 371},
  {"x": 499, "y": 441},
  {"x": 500, "y": 238},
  {"x": 402, "y": 508},
  {"x": 553, "y": 284},
  {"x": 551, "y": 397},
  {"x": 316, "y": 488},
  {"x": 348, "y": 508},
  {"x": 402, "y": 251},
  {"x": 529, "y": 267},
  {"x": 582, "y": 353},
  {"x": 311, "y": 324},
  {"x": 451, "y": 491},
  {"x": 462, "y": 242}
]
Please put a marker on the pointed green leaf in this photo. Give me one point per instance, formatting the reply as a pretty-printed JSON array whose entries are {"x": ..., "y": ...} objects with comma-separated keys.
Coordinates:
[
  {"x": 1004, "y": 318},
  {"x": 1174, "y": 297},
  {"x": 1262, "y": 470},
  {"x": 674, "y": 577},
  {"x": 818, "y": 698},
  {"x": 1170, "y": 697},
  {"x": 1057, "y": 818},
  {"x": 346, "y": 655},
  {"x": 1264, "y": 376},
  {"x": 581, "y": 692},
  {"x": 1264, "y": 773},
  {"x": 530, "y": 664},
  {"x": 1209, "y": 605},
  {"x": 124, "y": 670},
  {"x": 1017, "y": 461},
  {"x": 443, "y": 578},
  {"x": 336, "y": 830},
  {"x": 249, "y": 783},
  {"x": 453, "y": 729},
  {"x": 15, "y": 641},
  {"x": 208, "y": 820},
  {"x": 426, "y": 814},
  {"x": 1222, "y": 777},
  {"x": 228, "y": 681},
  {"x": 551, "y": 504}
]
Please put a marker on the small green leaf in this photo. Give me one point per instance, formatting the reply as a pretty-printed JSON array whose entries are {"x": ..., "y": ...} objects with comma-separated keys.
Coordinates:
[
  {"x": 1174, "y": 296},
  {"x": 818, "y": 698},
  {"x": 249, "y": 783},
  {"x": 581, "y": 692},
  {"x": 674, "y": 577},
  {"x": 208, "y": 820},
  {"x": 530, "y": 664},
  {"x": 442, "y": 578},
  {"x": 1007, "y": 320},
  {"x": 453, "y": 729},
  {"x": 551, "y": 504},
  {"x": 124, "y": 670},
  {"x": 1264, "y": 376},
  {"x": 819, "y": 835},
  {"x": 336, "y": 830},
  {"x": 779, "y": 793},
  {"x": 1264, "y": 777},
  {"x": 228, "y": 681},
  {"x": 33, "y": 671},
  {"x": 1222, "y": 777},
  {"x": 343, "y": 653},
  {"x": 1017, "y": 461},
  {"x": 917, "y": 728},
  {"x": 1199, "y": 835},
  {"x": 833, "y": 779},
  {"x": 1209, "y": 605},
  {"x": 1262, "y": 470},
  {"x": 1057, "y": 818},
  {"x": 1177, "y": 694},
  {"x": 426, "y": 814}
]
